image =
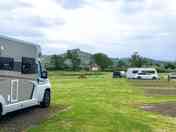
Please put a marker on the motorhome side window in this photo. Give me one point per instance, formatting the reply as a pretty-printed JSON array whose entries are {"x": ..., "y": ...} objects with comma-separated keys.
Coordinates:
[
  {"x": 135, "y": 72},
  {"x": 148, "y": 72},
  {"x": 28, "y": 65},
  {"x": 6, "y": 63}
]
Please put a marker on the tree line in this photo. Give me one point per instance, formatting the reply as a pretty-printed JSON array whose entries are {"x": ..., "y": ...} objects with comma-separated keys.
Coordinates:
[{"x": 72, "y": 61}]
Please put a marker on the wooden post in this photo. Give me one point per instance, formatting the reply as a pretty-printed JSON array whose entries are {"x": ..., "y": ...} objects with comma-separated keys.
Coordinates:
[{"x": 169, "y": 78}]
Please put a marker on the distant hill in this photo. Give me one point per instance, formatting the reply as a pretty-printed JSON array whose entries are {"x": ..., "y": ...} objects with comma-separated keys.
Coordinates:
[
  {"x": 150, "y": 61},
  {"x": 86, "y": 58}
]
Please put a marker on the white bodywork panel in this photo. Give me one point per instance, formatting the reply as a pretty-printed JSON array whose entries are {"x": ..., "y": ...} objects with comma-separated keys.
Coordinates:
[
  {"x": 18, "y": 106},
  {"x": 36, "y": 99},
  {"x": 134, "y": 73},
  {"x": 15, "y": 82}
]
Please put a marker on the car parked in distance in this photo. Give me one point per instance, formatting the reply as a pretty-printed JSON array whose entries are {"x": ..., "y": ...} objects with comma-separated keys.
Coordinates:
[
  {"x": 119, "y": 74},
  {"x": 123, "y": 73},
  {"x": 172, "y": 75},
  {"x": 116, "y": 74},
  {"x": 142, "y": 73}
]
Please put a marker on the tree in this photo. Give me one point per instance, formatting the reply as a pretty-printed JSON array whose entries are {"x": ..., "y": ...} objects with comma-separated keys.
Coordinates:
[
  {"x": 136, "y": 60},
  {"x": 121, "y": 64},
  {"x": 102, "y": 60},
  {"x": 57, "y": 62},
  {"x": 170, "y": 66},
  {"x": 75, "y": 59}
]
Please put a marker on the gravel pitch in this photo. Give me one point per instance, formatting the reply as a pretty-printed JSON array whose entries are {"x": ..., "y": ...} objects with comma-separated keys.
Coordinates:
[{"x": 21, "y": 120}]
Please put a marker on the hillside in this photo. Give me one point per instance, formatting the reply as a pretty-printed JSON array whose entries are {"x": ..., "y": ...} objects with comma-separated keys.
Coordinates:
[
  {"x": 126, "y": 61},
  {"x": 87, "y": 58}
]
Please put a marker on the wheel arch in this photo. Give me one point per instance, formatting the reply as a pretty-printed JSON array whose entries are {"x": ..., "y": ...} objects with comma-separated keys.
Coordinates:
[
  {"x": 1, "y": 109},
  {"x": 43, "y": 103},
  {"x": 48, "y": 89},
  {"x": 2, "y": 104},
  {"x": 43, "y": 92}
]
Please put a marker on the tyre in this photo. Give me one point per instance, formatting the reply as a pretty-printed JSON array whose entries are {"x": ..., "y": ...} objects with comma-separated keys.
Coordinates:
[
  {"x": 154, "y": 78},
  {"x": 46, "y": 99},
  {"x": 0, "y": 111},
  {"x": 139, "y": 78}
]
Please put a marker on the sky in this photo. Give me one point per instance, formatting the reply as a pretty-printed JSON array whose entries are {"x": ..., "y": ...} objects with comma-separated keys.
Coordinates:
[{"x": 115, "y": 27}]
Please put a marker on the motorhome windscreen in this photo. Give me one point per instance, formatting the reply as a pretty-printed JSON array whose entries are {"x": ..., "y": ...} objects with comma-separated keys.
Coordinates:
[{"x": 6, "y": 63}]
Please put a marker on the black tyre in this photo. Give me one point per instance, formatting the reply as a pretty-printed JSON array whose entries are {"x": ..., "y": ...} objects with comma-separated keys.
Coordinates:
[
  {"x": 46, "y": 99},
  {"x": 139, "y": 78},
  {"x": 0, "y": 111},
  {"x": 154, "y": 78}
]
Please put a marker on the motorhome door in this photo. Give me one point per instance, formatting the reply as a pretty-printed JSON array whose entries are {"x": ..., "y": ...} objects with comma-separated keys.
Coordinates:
[{"x": 14, "y": 91}]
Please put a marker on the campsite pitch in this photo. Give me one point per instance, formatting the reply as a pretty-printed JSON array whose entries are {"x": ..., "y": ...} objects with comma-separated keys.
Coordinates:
[
  {"x": 20, "y": 120},
  {"x": 102, "y": 104},
  {"x": 99, "y": 103},
  {"x": 160, "y": 89}
]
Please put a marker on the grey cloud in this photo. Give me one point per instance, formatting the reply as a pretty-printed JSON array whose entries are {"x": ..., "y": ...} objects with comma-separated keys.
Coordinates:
[
  {"x": 152, "y": 35},
  {"x": 72, "y": 4},
  {"x": 41, "y": 22},
  {"x": 10, "y": 5},
  {"x": 132, "y": 6},
  {"x": 73, "y": 44},
  {"x": 17, "y": 24}
]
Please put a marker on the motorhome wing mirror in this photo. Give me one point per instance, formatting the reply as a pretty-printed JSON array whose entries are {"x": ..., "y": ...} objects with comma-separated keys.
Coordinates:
[{"x": 44, "y": 74}]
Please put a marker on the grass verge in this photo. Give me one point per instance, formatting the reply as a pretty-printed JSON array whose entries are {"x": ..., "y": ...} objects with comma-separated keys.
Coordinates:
[{"x": 102, "y": 104}]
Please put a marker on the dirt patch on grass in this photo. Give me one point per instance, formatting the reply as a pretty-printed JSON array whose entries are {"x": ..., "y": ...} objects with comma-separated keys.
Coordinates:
[
  {"x": 167, "y": 109},
  {"x": 156, "y": 88},
  {"x": 153, "y": 83},
  {"x": 159, "y": 92},
  {"x": 19, "y": 121}
]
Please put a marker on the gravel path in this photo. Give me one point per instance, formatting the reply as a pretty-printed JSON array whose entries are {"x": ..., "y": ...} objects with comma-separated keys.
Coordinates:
[
  {"x": 21, "y": 120},
  {"x": 167, "y": 109}
]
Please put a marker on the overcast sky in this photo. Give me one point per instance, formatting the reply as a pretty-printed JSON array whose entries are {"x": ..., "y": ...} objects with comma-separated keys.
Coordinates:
[{"x": 115, "y": 27}]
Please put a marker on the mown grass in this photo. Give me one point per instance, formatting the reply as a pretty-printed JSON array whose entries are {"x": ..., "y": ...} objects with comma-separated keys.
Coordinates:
[{"x": 101, "y": 104}]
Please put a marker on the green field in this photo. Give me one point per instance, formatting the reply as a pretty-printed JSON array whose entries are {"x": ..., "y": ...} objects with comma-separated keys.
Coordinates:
[{"x": 102, "y": 104}]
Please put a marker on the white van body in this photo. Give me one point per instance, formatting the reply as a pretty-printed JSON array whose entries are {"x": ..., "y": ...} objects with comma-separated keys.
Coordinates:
[
  {"x": 23, "y": 80},
  {"x": 142, "y": 73}
]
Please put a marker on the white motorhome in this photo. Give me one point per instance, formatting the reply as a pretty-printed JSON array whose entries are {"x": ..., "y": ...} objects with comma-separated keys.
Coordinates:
[
  {"x": 23, "y": 79},
  {"x": 142, "y": 73}
]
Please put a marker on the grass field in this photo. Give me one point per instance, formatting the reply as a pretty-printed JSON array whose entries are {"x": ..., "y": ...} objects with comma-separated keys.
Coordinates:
[{"x": 102, "y": 104}]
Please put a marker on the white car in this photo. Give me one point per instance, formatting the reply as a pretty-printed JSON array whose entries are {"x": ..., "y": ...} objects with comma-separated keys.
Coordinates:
[
  {"x": 142, "y": 73},
  {"x": 172, "y": 75}
]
